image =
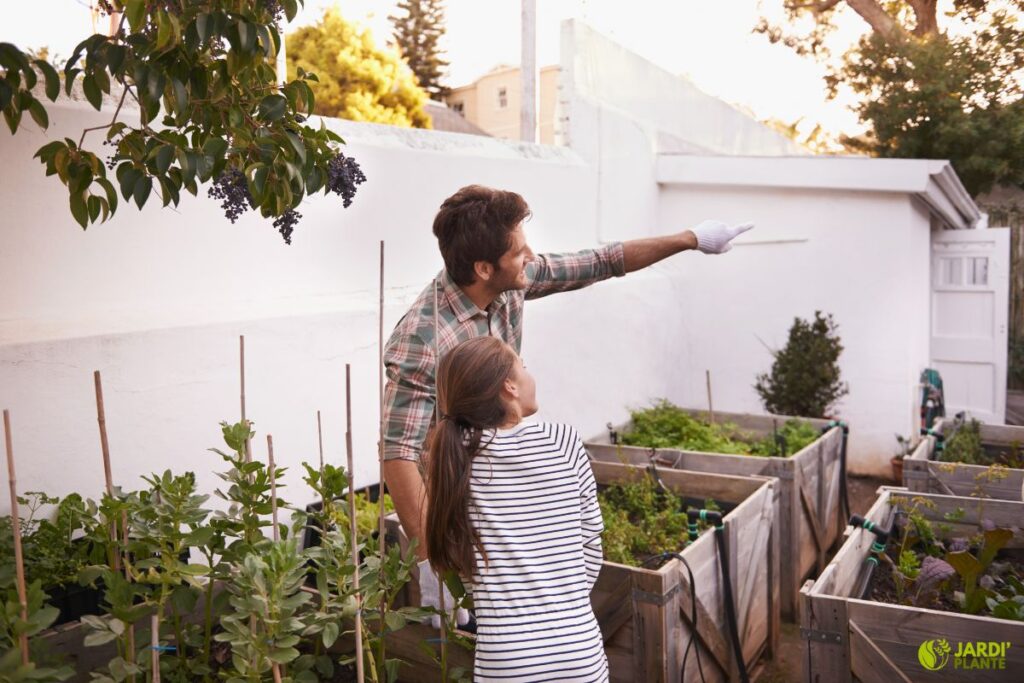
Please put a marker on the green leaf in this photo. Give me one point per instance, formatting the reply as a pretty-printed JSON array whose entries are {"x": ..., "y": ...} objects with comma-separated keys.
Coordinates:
[
  {"x": 12, "y": 115},
  {"x": 330, "y": 633},
  {"x": 80, "y": 212},
  {"x": 115, "y": 57},
  {"x": 203, "y": 26},
  {"x": 92, "y": 92},
  {"x": 143, "y": 187},
  {"x": 51, "y": 77},
  {"x": 108, "y": 188},
  {"x": 99, "y": 638},
  {"x": 38, "y": 114},
  {"x": 135, "y": 10},
  {"x": 246, "y": 36},
  {"x": 273, "y": 108},
  {"x": 180, "y": 95},
  {"x": 95, "y": 205},
  {"x": 164, "y": 157}
]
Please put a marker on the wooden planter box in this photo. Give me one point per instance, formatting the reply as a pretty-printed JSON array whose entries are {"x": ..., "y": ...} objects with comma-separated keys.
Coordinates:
[
  {"x": 850, "y": 639},
  {"x": 922, "y": 472},
  {"x": 644, "y": 613},
  {"x": 810, "y": 518}
]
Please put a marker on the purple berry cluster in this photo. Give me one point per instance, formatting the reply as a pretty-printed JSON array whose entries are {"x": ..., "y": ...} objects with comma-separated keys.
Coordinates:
[
  {"x": 230, "y": 187},
  {"x": 343, "y": 174}
]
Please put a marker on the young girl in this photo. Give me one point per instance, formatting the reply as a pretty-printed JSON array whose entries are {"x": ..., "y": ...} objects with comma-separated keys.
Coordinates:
[{"x": 512, "y": 507}]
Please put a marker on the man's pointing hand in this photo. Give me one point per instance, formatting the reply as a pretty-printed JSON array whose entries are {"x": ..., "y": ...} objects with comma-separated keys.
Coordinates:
[{"x": 715, "y": 237}]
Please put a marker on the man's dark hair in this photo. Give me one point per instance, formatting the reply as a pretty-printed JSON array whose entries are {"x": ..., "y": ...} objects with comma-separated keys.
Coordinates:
[{"x": 474, "y": 224}]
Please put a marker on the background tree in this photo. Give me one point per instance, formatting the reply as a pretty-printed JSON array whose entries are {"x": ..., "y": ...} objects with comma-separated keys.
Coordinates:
[
  {"x": 805, "y": 377},
  {"x": 417, "y": 34},
  {"x": 204, "y": 71},
  {"x": 927, "y": 91},
  {"x": 358, "y": 80}
]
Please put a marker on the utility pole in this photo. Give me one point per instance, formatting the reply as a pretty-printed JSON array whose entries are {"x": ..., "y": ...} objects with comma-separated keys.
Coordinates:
[{"x": 528, "y": 74}]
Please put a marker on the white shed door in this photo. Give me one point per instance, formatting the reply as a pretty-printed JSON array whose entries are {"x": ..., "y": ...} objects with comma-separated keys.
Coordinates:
[{"x": 970, "y": 300}]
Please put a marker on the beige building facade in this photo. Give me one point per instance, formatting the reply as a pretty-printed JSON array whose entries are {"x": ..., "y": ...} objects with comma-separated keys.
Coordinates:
[{"x": 492, "y": 103}]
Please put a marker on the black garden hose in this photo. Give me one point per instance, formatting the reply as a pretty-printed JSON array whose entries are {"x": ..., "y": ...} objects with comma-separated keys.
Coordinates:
[
  {"x": 723, "y": 555},
  {"x": 844, "y": 499},
  {"x": 877, "y": 550}
]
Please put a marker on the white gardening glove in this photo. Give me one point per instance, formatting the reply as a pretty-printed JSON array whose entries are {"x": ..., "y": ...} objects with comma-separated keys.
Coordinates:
[
  {"x": 430, "y": 596},
  {"x": 715, "y": 237}
]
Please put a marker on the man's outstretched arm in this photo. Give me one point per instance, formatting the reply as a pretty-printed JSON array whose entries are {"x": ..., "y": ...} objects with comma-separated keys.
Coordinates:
[{"x": 710, "y": 237}]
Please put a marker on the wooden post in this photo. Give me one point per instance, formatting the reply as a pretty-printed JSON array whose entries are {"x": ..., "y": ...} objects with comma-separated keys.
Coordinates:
[
  {"x": 380, "y": 399},
  {"x": 101, "y": 418},
  {"x": 711, "y": 410},
  {"x": 320, "y": 441},
  {"x": 273, "y": 486},
  {"x": 19, "y": 561},
  {"x": 352, "y": 522},
  {"x": 241, "y": 372},
  {"x": 154, "y": 645}
]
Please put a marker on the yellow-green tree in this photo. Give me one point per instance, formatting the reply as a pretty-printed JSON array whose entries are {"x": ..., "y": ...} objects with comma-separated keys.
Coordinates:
[{"x": 358, "y": 80}]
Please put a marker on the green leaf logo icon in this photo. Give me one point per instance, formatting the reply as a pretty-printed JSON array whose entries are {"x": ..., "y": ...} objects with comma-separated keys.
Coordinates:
[{"x": 933, "y": 654}]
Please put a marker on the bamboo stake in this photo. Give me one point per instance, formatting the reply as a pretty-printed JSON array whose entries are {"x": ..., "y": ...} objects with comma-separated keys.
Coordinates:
[
  {"x": 711, "y": 411},
  {"x": 273, "y": 486},
  {"x": 352, "y": 523},
  {"x": 101, "y": 418},
  {"x": 320, "y": 440},
  {"x": 154, "y": 645},
  {"x": 380, "y": 399},
  {"x": 437, "y": 420},
  {"x": 19, "y": 561},
  {"x": 241, "y": 372}
]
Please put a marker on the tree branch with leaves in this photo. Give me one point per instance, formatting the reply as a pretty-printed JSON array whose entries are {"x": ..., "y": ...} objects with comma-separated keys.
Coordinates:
[{"x": 202, "y": 75}]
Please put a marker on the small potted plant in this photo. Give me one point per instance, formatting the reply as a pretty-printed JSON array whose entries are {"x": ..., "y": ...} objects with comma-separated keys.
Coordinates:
[{"x": 904, "y": 447}]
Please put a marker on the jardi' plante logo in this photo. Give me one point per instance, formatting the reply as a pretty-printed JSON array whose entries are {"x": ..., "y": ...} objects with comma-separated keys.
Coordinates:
[{"x": 935, "y": 654}]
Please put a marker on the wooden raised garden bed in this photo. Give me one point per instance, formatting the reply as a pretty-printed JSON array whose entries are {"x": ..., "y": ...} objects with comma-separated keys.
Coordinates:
[
  {"x": 810, "y": 518},
  {"x": 849, "y": 638},
  {"x": 925, "y": 469},
  {"x": 644, "y": 614}
]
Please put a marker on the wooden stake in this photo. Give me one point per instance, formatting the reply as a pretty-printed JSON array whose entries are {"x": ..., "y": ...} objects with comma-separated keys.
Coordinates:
[
  {"x": 154, "y": 645},
  {"x": 320, "y": 440},
  {"x": 437, "y": 420},
  {"x": 352, "y": 522},
  {"x": 241, "y": 372},
  {"x": 711, "y": 410},
  {"x": 273, "y": 486},
  {"x": 101, "y": 418},
  {"x": 380, "y": 399},
  {"x": 19, "y": 561}
]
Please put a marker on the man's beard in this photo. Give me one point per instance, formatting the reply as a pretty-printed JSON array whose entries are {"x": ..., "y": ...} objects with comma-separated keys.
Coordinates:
[{"x": 505, "y": 280}]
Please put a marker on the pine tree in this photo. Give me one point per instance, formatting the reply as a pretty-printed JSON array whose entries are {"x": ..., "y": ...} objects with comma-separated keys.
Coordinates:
[{"x": 417, "y": 34}]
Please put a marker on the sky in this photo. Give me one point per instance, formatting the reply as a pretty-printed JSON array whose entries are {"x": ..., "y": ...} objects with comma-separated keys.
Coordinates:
[{"x": 708, "y": 41}]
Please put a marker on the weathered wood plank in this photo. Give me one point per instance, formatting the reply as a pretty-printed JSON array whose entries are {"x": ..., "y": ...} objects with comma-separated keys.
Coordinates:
[{"x": 870, "y": 665}]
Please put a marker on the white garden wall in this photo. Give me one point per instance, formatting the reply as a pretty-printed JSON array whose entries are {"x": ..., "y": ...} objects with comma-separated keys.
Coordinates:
[{"x": 156, "y": 301}]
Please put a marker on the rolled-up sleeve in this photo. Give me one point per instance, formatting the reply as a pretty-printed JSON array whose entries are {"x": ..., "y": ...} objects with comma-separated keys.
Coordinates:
[
  {"x": 553, "y": 273},
  {"x": 409, "y": 397}
]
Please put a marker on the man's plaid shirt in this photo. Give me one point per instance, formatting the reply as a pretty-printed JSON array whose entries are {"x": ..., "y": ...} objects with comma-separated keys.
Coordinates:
[{"x": 410, "y": 358}]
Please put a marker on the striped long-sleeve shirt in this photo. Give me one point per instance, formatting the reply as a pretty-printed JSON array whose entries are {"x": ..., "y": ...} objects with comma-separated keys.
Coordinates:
[
  {"x": 533, "y": 500},
  {"x": 410, "y": 355}
]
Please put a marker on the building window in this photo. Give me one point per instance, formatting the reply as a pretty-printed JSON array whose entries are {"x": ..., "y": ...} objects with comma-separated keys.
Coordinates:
[
  {"x": 502, "y": 98},
  {"x": 458, "y": 107},
  {"x": 979, "y": 271},
  {"x": 950, "y": 272}
]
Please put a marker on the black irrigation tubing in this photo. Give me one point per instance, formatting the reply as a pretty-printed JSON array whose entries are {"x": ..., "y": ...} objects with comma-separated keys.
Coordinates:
[
  {"x": 844, "y": 499},
  {"x": 877, "y": 549}
]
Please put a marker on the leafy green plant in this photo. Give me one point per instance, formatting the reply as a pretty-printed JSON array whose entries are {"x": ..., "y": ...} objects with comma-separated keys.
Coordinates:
[
  {"x": 642, "y": 521},
  {"x": 971, "y": 567},
  {"x": 664, "y": 425},
  {"x": 805, "y": 377},
  {"x": 42, "y": 667},
  {"x": 965, "y": 445}
]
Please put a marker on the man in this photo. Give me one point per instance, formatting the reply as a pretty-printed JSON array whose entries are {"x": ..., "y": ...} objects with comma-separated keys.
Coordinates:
[{"x": 489, "y": 273}]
